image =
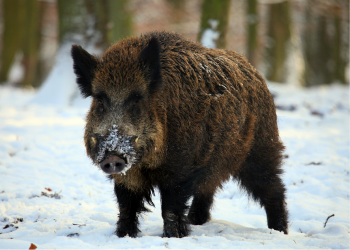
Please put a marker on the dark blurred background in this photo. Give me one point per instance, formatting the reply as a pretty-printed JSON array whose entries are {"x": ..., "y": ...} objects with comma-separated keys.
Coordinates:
[{"x": 300, "y": 42}]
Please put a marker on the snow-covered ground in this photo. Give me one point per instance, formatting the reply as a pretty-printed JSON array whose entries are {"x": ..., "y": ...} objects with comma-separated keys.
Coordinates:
[{"x": 52, "y": 196}]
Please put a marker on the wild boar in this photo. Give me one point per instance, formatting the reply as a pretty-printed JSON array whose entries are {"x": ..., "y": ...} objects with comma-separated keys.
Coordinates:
[{"x": 168, "y": 113}]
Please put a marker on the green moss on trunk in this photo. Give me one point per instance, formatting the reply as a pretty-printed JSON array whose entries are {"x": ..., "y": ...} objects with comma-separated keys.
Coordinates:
[
  {"x": 31, "y": 42},
  {"x": 120, "y": 20},
  {"x": 11, "y": 36},
  {"x": 340, "y": 49},
  {"x": 252, "y": 23}
]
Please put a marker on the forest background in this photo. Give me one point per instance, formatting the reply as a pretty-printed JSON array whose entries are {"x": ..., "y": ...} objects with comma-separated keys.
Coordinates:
[
  {"x": 51, "y": 195},
  {"x": 304, "y": 42}
]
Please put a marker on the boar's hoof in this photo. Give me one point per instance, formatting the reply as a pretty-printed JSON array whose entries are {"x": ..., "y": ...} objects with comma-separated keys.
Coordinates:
[
  {"x": 112, "y": 164},
  {"x": 127, "y": 228},
  {"x": 198, "y": 218},
  {"x": 176, "y": 228}
]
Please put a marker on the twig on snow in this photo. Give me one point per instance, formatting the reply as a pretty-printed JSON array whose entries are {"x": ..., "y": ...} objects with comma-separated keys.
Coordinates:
[{"x": 327, "y": 220}]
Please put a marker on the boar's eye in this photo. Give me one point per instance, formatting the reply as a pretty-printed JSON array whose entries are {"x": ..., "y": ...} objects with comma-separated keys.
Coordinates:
[
  {"x": 100, "y": 105},
  {"x": 135, "y": 103},
  {"x": 101, "y": 100}
]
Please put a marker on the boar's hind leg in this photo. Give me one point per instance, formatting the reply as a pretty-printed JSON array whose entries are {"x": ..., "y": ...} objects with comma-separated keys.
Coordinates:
[
  {"x": 200, "y": 209},
  {"x": 131, "y": 204},
  {"x": 174, "y": 199},
  {"x": 259, "y": 175}
]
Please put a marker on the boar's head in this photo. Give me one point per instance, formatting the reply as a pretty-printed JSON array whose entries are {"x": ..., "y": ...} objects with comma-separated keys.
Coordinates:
[{"x": 123, "y": 128}]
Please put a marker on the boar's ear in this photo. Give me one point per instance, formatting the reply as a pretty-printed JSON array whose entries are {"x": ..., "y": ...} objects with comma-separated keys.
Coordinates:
[
  {"x": 84, "y": 66},
  {"x": 151, "y": 57}
]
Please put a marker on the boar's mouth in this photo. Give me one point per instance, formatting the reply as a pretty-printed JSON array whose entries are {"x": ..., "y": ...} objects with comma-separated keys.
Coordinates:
[{"x": 113, "y": 163}]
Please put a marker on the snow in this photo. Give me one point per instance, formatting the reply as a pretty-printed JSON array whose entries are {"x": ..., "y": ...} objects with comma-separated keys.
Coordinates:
[
  {"x": 211, "y": 35},
  {"x": 54, "y": 92},
  {"x": 17, "y": 70},
  {"x": 66, "y": 202},
  {"x": 58, "y": 89}
]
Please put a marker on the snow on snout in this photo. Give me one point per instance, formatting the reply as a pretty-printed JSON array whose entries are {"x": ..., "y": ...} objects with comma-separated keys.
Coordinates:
[{"x": 121, "y": 144}]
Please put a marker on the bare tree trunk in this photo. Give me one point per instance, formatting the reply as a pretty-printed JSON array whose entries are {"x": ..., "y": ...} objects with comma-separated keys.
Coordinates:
[
  {"x": 278, "y": 41},
  {"x": 74, "y": 24},
  {"x": 11, "y": 36},
  {"x": 323, "y": 65},
  {"x": 48, "y": 35},
  {"x": 252, "y": 41},
  {"x": 214, "y": 23},
  {"x": 345, "y": 38},
  {"x": 21, "y": 34},
  {"x": 341, "y": 46},
  {"x": 308, "y": 45},
  {"x": 98, "y": 22},
  {"x": 326, "y": 42},
  {"x": 31, "y": 42},
  {"x": 121, "y": 24}
]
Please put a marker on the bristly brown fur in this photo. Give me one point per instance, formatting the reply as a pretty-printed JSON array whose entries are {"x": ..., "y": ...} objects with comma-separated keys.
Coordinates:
[{"x": 199, "y": 115}]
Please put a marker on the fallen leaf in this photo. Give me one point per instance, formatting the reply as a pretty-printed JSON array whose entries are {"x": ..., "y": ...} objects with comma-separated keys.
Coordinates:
[{"x": 32, "y": 246}]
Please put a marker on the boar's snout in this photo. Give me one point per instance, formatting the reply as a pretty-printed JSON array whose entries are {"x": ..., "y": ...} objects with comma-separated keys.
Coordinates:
[{"x": 112, "y": 165}]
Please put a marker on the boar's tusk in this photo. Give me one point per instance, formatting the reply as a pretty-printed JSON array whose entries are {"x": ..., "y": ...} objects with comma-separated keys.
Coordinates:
[{"x": 93, "y": 141}]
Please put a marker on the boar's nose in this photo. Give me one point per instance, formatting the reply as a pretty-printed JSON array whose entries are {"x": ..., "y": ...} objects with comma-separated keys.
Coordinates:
[{"x": 112, "y": 165}]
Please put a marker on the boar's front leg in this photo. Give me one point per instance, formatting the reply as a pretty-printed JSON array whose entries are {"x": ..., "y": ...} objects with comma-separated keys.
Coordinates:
[
  {"x": 174, "y": 198},
  {"x": 131, "y": 204}
]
